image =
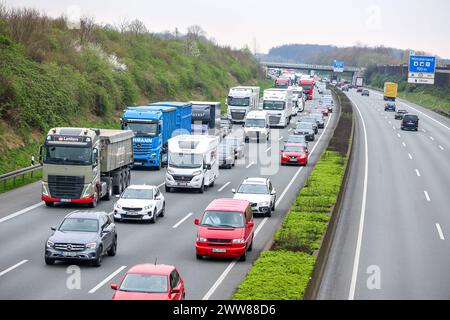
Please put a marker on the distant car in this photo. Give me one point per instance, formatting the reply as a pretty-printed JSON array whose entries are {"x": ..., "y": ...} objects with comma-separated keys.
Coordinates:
[
  {"x": 226, "y": 126},
  {"x": 320, "y": 120},
  {"x": 298, "y": 139},
  {"x": 410, "y": 122},
  {"x": 238, "y": 145},
  {"x": 365, "y": 93},
  {"x": 311, "y": 120},
  {"x": 306, "y": 129},
  {"x": 226, "y": 156},
  {"x": 82, "y": 236},
  {"x": 260, "y": 193},
  {"x": 345, "y": 88},
  {"x": 400, "y": 113},
  {"x": 150, "y": 282},
  {"x": 359, "y": 89},
  {"x": 390, "y": 106},
  {"x": 294, "y": 154},
  {"x": 140, "y": 202}
]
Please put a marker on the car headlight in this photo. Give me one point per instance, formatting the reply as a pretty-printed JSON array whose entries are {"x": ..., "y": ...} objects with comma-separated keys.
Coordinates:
[
  {"x": 149, "y": 207},
  {"x": 200, "y": 239},
  {"x": 153, "y": 156},
  {"x": 91, "y": 245},
  {"x": 171, "y": 172},
  {"x": 50, "y": 244},
  {"x": 264, "y": 204},
  {"x": 196, "y": 173},
  {"x": 118, "y": 206},
  {"x": 238, "y": 241}
]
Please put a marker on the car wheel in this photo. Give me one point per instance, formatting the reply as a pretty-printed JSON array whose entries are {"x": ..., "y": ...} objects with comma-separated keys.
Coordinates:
[
  {"x": 244, "y": 256},
  {"x": 112, "y": 251},
  {"x": 153, "y": 219},
  {"x": 163, "y": 210},
  {"x": 93, "y": 204},
  {"x": 168, "y": 189},
  {"x": 49, "y": 204},
  {"x": 199, "y": 257},
  {"x": 269, "y": 214},
  {"x": 98, "y": 261},
  {"x": 250, "y": 247},
  {"x": 202, "y": 188},
  {"x": 49, "y": 261}
]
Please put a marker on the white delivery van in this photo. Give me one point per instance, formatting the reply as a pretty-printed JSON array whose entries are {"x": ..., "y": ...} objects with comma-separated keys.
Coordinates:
[
  {"x": 240, "y": 101},
  {"x": 256, "y": 126},
  {"x": 193, "y": 162},
  {"x": 278, "y": 104},
  {"x": 301, "y": 100}
]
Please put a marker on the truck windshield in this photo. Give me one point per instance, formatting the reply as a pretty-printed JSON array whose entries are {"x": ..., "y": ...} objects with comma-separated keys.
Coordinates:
[
  {"x": 252, "y": 123},
  {"x": 72, "y": 155},
  {"x": 238, "y": 102},
  {"x": 282, "y": 85},
  {"x": 144, "y": 129},
  {"x": 186, "y": 161},
  {"x": 273, "y": 105}
]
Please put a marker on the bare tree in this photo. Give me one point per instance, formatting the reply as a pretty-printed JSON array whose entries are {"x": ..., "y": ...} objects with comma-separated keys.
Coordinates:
[
  {"x": 122, "y": 25},
  {"x": 87, "y": 26},
  {"x": 196, "y": 32},
  {"x": 137, "y": 27}
]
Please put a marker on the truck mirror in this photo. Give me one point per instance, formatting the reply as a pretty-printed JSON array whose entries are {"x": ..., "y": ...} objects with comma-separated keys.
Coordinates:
[{"x": 40, "y": 153}]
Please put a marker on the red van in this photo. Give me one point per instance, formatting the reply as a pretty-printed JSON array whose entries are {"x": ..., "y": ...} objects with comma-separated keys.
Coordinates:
[{"x": 225, "y": 230}]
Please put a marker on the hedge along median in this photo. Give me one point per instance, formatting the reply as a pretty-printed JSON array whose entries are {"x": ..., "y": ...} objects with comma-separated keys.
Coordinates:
[{"x": 293, "y": 267}]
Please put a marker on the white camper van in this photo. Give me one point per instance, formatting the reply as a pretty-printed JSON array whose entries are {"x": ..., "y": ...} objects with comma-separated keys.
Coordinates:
[
  {"x": 257, "y": 126},
  {"x": 300, "y": 103},
  {"x": 240, "y": 101},
  {"x": 278, "y": 104},
  {"x": 193, "y": 162}
]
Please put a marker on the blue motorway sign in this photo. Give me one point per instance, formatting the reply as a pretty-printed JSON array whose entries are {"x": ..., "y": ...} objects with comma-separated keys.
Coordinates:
[
  {"x": 422, "y": 64},
  {"x": 338, "y": 66}
]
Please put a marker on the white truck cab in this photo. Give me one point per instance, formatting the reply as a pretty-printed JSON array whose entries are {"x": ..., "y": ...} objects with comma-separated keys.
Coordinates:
[
  {"x": 257, "y": 126},
  {"x": 240, "y": 101},
  {"x": 278, "y": 104},
  {"x": 193, "y": 162}
]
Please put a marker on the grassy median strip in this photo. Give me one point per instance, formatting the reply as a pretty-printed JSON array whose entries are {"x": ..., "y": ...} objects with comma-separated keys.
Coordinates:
[{"x": 283, "y": 272}]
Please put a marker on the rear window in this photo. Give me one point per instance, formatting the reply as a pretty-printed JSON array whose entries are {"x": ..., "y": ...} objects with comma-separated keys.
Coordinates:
[{"x": 410, "y": 117}]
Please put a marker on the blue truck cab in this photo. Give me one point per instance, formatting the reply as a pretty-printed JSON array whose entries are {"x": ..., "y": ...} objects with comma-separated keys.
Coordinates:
[
  {"x": 152, "y": 128},
  {"x": 184, "y": 114}
]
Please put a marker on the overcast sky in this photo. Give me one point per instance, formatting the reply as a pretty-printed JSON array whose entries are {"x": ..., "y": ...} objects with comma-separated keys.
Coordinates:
[{"x": 414, "y": 24}]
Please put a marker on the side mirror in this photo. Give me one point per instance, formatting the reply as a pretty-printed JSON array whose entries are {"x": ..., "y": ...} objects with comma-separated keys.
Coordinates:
[
  {"x": 117, "y": 196},
  {"x": 197, "y": 221},
  {"x": 233, "y": 190},
  {"x": 250, "y": 224},
  {"x": 114, "y": 286},
  {"x": 40, "y": 153},
  {"x": 53, "y": 228},
  {"x": 273, "y": 193}
]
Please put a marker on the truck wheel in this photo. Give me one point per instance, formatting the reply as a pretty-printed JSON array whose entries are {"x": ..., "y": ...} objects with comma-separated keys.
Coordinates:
[
  {"x": 159, "y": 163},
  {"x": 49, "y": 204},
  {"x": 109, "y": 193}
]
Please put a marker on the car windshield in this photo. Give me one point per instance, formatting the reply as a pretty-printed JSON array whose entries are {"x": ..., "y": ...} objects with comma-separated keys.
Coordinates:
[
  {"x": 187, "y": 161},
  {"x": 145, "y": 283},
  {"x": 303, "y": 125},
  {"x": 258, "y": 123},
  {"x": 293, "y": 149},
  {"x": 273, "y": 105},
  {"x": 147, "y": 129},
  {"x": 306, "y": 86},
  {"x": 220, "y": 219},
  {"x": 238, "y": 102},
  {"x": 79, "y": 225},
  {"x": 70, "y": 155},
  {"x": 139, "y": 194},
  {"x": 253, "y": 188}
]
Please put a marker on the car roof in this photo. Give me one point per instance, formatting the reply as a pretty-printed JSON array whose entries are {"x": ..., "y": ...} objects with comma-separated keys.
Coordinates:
[
  {"x": 86, "y": 214},
  {"x": 141, "y": 186},
  {"x": 255, "y": 180},
  {"x": 290, "y": 144},
  {"x": 228, "y": 205},
  {"x": 151, "y": 268}
]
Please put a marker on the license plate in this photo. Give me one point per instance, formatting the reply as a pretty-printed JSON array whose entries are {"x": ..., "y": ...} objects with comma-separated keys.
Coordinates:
[
  {"x": 65, "y": 200},
  {"x": 219, "y": 250},
  {"x": 69, "y": 254},
  {"x": 184, "y": 184},
  {"x": 138, "y": 163},
  {"x": 293, "y": 160}
]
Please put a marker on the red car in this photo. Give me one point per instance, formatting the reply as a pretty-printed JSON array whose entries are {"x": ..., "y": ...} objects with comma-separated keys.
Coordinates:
[
  {"x": 225, "y": 230},
  {"x": 294, "y": 153},
  {"x": 150, "y": 282}
]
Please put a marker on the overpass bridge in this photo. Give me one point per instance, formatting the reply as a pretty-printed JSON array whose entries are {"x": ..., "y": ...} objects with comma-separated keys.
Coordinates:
[{"x": 310, "y": 67}]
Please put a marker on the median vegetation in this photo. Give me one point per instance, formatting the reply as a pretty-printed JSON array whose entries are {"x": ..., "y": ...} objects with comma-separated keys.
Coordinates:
[
  {"x": 55, "y": 72},
  {"x": 283, "y": 272}
]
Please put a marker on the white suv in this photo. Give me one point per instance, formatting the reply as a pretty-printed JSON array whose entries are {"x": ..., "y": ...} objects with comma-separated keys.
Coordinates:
[
  {"x": 260, "y": 193},
  {"x": 140, "y": 202}
]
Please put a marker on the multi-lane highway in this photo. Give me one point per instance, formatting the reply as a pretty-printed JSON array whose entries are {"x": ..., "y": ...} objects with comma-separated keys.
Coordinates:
[
  {"x": 393, "y": 238},
  {"x": 25, "y": 225}
]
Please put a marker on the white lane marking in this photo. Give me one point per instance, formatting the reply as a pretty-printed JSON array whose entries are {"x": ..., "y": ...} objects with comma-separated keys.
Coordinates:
[
  {"x": 410, "y": 156},
  {"x": 18, "y": 213},
  {"x": 224, "y": 186},
  {"x": 441, "y": 234},
  {"x": 389, "y": 122},
  {"x": 398, "y": 135},
  {"x": 427, "y": 196},
  {"x": 250, "y": 164},
  {"x": 404, "y": 144},
  {"x": 13, "y": 267},
  {"x": 224, "y": 274},
  {"x": 424, "y": 130},
  {"x": 268, "y": 149},
  {"x": 182, "y": 220},
  {"x": 290, "y": 129},
  {"x": 108, "y": 278},
  {"x": 432, "y": 139},
  {"x": 281, "y": 138},
  {"x": 393, "y": 127},
  {"x": 441, "y": 147},
  {"x": 351, "y": 295},
  {"x": 448, "y": 128},
  {"x": 418, "y": 172}
]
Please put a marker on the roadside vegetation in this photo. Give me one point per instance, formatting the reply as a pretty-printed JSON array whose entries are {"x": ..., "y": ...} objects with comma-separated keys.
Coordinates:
[{"x": 55, "y": 72}]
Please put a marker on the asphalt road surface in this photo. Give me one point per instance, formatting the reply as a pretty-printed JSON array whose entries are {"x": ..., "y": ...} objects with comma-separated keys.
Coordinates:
[
  {"x": 393, "y": 238},
  {"x": 25, "y": 225}
]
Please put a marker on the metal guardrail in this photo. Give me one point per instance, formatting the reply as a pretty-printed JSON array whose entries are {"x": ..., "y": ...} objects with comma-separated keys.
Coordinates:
[{"x": 21, "y": 172}]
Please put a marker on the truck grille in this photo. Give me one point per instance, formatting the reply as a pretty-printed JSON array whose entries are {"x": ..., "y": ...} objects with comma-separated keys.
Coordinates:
[
  {"x": 237, "y": 115},
  {"x": 141, "y": 149},
  {"x": 66, "y": 187},
  {"x": 182, "y": 178},
  {"x": 69, "y": 247},
  {"x": 274, "y": 119}
]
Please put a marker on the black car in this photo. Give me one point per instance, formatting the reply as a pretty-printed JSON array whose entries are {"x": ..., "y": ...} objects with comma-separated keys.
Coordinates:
[
  {"x": 399, "y": 114},
  {"x": 306, "y": 129},
  {"x": 390, "y": 106},
  {"x": 365, "y": 93},
  {"x": 410, "y": 122},
  {"x": 82, "y": 236}
]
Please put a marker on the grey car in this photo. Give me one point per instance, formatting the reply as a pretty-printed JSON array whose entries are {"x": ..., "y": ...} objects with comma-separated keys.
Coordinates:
[
  {"x": 313, "y": 121},
  {"x": 226, "y": 156},
  {"x": 306, "y": 129},
  {"x": 82, "y": 236},
  {"x": 319, "y": 119}
]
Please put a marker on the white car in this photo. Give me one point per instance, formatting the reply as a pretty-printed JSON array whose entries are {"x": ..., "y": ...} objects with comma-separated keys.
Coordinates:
[
  {"x": 260, "y": 193},
  {"x": 140, "y": 202}
]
